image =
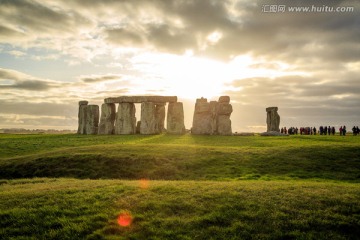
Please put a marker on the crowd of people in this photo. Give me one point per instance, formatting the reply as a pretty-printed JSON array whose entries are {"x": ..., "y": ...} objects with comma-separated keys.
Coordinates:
[{"x": 323, "y": 130}]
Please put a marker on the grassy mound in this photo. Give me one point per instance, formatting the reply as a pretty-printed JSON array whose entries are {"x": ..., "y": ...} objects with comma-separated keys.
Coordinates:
[
  {"x": 298, "y": 187},
  {"x": 165, "y": 157}
]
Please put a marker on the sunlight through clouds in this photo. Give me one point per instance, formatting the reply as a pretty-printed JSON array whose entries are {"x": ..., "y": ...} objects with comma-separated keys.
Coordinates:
[{"x": 189, "y": 48}]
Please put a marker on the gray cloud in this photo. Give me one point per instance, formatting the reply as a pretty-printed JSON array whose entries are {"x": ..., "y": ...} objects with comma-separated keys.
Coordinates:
[
  {"x": 174, "y": 26},
  {"x": 17, "y": 80},
  {"x": 301, "y": 100},
  {"x": 32, "y": 16},
  {"x": 99, "y": 78}
]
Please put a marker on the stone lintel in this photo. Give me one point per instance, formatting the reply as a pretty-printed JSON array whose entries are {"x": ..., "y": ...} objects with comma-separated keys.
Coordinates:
[{"x": 141, "y": 99}]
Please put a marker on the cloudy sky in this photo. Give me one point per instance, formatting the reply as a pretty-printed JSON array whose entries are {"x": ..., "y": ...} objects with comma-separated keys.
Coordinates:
[{"x": 261, "y": 53}]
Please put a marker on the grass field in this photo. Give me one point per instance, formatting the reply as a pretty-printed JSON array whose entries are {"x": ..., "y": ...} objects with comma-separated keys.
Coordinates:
[{"x": 179, "y": 187}]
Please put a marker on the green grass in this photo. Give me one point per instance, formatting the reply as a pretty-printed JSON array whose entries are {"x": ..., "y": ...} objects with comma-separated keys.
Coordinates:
[
  {"x": 164, "y": 157},
  {"x": 196, "y": 187},
  {"x": 88, "y": 209}
]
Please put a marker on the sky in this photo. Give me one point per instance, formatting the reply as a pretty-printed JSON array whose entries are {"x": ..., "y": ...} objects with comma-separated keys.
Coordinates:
[{"x": 301, "y": 56}]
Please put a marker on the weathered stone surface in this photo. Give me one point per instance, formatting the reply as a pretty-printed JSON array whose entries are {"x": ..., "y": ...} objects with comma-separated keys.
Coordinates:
[
  {"x": 203, "y": 119},
  {"x": 224, "y": 125},
  {"x": 82, "y": 117},
  {"x": 141, "y": 99},
  {"x": 160, "y": 118},
  {"x": 148, "y": 118},
  {"x": 91, "y": 119},
  {"x": 224, "y": 109},
  {"x": 106, "y": 125},
  {"x": 224, "y": 99},
  {"x": 175, "y": 118},
  {"x": 212, "y": 118},
  {"x": 125, "y": 122},
  {"x": 272, "y": 119}
]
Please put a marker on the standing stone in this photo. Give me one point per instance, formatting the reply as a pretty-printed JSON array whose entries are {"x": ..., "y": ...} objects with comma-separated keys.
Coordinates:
[
  {"x": 125, "y": 122},
  {"x": 224, "y": 125},
  {"x": 92, "y": 119},
  {"x": 272, "y": 119},
  {"x": 202, "y": 120},
  {"x": 160, "y": 117},
  {"x": 212, "y": 118},
  {"x": 107, "y": 119},
  {"x": 223, "y": 116},
  {"x": 82, "y": 117},
  {"x": 175, "y": 118},
  {"x": 148, "y": 118}
]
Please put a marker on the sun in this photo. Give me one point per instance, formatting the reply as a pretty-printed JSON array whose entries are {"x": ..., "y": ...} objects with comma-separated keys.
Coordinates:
[{"x": 188, "y": 76}]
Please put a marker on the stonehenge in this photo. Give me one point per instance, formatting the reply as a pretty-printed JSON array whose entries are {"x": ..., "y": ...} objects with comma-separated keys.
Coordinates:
[
  {"x": 212, "y": 118},
  {"x": 272, "y": 119},
  {"x": 123, "y": 121}
]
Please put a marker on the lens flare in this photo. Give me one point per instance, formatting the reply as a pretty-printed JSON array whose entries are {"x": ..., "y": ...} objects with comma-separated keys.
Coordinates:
[
  {"x": 124, "y": 219},
  {"x": 144, "y": 183}
]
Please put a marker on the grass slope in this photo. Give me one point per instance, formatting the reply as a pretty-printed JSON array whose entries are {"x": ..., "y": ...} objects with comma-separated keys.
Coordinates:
[
  {"x": 318, "y": 200},
  {"x": 88, "y": 209},
  {"x": 187, "y": 157}
]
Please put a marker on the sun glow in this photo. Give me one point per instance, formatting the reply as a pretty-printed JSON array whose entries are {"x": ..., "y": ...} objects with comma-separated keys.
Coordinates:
[
  {"x": 191, "y": 77},
  {"x": 186, "y": 76}
]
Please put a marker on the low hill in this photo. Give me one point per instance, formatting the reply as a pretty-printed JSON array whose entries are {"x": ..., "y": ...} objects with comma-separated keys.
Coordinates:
[
  {"x": 187, "y": 157},
  {"x": 179, "y": 187}
]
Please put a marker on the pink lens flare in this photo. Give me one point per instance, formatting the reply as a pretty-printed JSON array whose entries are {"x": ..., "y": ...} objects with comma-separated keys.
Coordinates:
[{"x": 124, "y": 219}]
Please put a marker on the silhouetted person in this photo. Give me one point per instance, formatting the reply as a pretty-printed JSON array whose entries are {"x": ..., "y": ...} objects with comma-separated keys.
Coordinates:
[
  {"x": 333, "y": 130},
  {"x": 340, "y": 130},
  {"x": 344, "y": 130},
  {"x": 354, "y": 131},
  {"x": 314, "y": 130}
]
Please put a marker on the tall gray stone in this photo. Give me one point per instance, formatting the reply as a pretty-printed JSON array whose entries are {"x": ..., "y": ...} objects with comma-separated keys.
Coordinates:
[
  {"x": 175, "y": 118},
  {"x": 82, "y": 117},
  {"x": 107, "y": 120},
  {"x": 92, "y": 119},
  {"x": 202, "y": 120},
  {"x": 148, "y": 118},
  {"x": 212, "y": 118},
  {"x": 224, "y": 125},
  {"x": 125, "y": 121},
  {"x": 272, "y": 119},
  {"x": 160, "y": 117},
  {"x": 223, "y": 116}
]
